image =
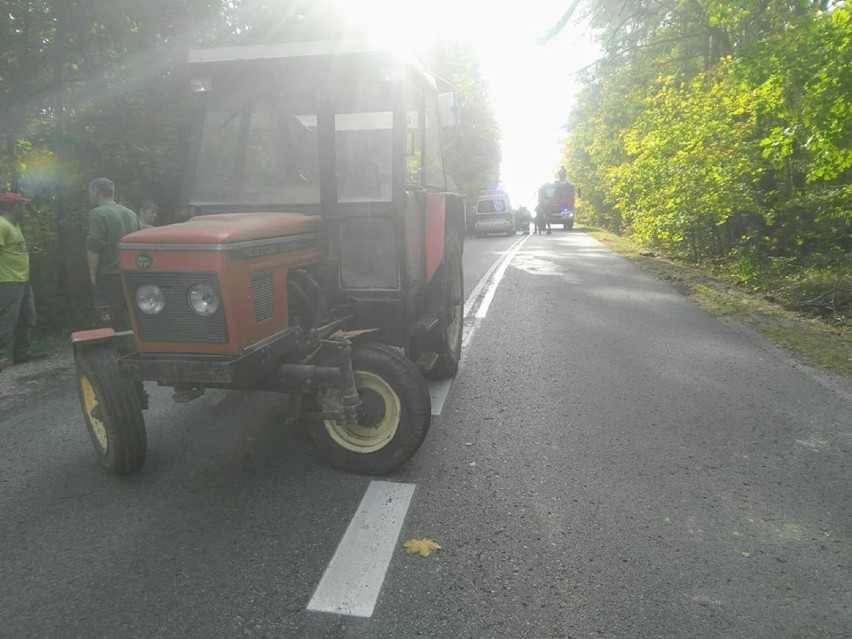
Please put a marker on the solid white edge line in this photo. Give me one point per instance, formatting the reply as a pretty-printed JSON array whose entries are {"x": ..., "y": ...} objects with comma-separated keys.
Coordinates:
[
  {"x": 498, "y": 275},
  {"x": 353, "y": 579},
  {"x": 439, "y": 390},
  {"x": 483, "y": 281}
]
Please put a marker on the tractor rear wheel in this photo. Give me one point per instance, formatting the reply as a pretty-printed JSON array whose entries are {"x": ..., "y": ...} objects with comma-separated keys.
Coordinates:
[
  {"x": 448, "y": 302},
  {"x": 394, "y": 416},
  {"x": 111, "y": 408}
]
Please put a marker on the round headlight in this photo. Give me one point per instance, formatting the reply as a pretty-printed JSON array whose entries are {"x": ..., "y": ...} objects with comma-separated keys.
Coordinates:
[
  {"x": 150, "y": 299},
  {"x": 203, "y": 299}
]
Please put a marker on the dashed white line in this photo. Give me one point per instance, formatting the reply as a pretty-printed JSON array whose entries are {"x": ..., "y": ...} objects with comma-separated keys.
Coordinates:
[{"x": 354, "y": 577}]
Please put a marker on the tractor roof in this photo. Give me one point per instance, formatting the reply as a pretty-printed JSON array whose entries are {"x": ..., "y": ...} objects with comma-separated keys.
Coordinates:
[{"x": 323, "y": 52}]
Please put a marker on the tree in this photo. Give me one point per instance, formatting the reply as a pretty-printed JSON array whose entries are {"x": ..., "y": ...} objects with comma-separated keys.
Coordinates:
[
  {"x": 711, "y": 126},
  {"x": 721, "y": 130}
]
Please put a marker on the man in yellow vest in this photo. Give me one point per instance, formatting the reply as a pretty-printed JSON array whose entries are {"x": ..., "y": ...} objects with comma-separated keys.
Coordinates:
[{"x": 17, "y": 309}]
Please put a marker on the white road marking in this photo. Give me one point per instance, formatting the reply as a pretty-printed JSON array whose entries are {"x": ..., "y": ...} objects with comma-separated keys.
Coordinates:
[
  {"x": 475, "y": 308},
  {"x": 477, "y": 290},
  {"x": 354, "y": 576},
  {"x": 498, "y": 275}
]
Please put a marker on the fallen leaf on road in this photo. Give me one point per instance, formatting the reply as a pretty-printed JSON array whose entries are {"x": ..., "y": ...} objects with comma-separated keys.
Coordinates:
[
  {"x": 746, "y": 554},
  {"x": 422, "y": 547},
  {"x": 472, "y": 464}
]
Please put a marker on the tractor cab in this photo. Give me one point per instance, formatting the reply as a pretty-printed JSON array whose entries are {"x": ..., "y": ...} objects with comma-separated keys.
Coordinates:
[{"x": 348, "y": 133}]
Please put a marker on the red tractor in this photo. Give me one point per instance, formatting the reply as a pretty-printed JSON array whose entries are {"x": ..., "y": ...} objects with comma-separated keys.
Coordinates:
[{"x": 323, "y": 259}]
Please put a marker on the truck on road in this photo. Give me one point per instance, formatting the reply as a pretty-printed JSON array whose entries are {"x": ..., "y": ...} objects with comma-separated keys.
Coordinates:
[{"x": 556, "y": 203}]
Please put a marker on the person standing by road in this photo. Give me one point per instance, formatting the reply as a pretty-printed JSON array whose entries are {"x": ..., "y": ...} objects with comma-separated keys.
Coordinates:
[
  {"x": 108, "y": 223},
  {"x": 17, "y": 308},
  {"x": 541, "y": 222},
  {"x": 147, "y": 215}
]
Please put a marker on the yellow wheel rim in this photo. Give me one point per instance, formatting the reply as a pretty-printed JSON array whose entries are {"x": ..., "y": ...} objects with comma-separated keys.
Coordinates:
[
  {"x": 367, "y": 439},
  {"x": 93, "y": 413}
]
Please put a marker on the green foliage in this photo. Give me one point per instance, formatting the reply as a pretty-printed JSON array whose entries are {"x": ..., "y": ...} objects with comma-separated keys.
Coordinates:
[{"x": 719, "y": 129}]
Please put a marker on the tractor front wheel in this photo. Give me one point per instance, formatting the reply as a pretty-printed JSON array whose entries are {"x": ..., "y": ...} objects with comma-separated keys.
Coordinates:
[
  {"x": 111, "y": 408},
  {"x": 393, "y": 420}
]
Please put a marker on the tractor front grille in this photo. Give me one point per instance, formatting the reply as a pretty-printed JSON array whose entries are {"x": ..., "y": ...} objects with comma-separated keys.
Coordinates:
[
  {"x": 263, "y": 296},
  {"x": 178, "y": 322}
]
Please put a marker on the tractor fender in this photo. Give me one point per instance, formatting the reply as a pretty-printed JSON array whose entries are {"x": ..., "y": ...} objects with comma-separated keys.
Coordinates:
[{"x": 120, "y": 341}]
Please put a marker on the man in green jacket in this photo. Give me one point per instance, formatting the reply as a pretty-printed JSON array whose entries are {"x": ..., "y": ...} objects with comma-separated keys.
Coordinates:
[
  {"x": 17, "y": 310},
  {"x": 108, "y": 223}
]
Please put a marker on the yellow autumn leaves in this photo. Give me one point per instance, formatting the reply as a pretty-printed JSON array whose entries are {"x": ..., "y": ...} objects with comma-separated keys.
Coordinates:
[{"x": 422, "y": 547}]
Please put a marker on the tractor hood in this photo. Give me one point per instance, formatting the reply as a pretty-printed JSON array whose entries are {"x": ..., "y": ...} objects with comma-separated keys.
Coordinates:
[{"x": 227, "y": 228}]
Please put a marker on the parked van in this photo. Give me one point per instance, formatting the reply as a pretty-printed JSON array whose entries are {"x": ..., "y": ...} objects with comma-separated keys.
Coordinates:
[{"x": 494, "y": 213}]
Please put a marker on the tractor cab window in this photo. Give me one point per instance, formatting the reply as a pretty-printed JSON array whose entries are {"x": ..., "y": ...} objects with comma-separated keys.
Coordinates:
[
  {"x": 253, "y": 151},
  {"x": 434, "y": 160},
  {"x": 424, "y": 164},
  {"x": 414, "y": 116},
  {"x": 363, "y": 145},
  {"x": 413, "y": 149}
]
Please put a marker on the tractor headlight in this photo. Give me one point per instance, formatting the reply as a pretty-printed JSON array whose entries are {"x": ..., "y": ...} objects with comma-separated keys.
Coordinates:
[
  {"x": 150, "y": 299},
  {"x": 203, "y": 299}
]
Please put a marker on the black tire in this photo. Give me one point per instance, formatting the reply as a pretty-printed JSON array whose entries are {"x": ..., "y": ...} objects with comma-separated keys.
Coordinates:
[
  {"x": 448, "y": 304},
  {"x": 569, "y": 226},
  {"x": 111, "y": 409},
  {"x": 394, "y": 393}
]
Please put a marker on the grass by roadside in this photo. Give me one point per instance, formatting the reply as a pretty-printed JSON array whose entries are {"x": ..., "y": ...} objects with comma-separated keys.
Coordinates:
[
  {"x": 810, "y": 339},
  {"x": 53, "y": 345}
]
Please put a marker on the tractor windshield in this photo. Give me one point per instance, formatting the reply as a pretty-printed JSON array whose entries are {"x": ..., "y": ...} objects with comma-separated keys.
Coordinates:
[
  {"x": 281, "y": 131},
  {"x": 257, "y": 149}
]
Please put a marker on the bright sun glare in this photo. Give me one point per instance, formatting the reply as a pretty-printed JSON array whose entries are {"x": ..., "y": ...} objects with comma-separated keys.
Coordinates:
[{"x": 532, "y": 86}]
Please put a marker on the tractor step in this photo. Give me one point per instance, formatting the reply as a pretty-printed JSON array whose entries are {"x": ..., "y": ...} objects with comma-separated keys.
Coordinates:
[
  {"x": 423, "y": 325},
  {"x": 426, "y": 362}
]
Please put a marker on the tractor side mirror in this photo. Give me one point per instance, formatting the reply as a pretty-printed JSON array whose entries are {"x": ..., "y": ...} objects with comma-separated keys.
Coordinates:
[{"x": 449, "y": 113}]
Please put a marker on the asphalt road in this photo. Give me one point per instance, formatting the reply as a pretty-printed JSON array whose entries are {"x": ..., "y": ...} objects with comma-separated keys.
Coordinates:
[{"x": 610, "y": 462}]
